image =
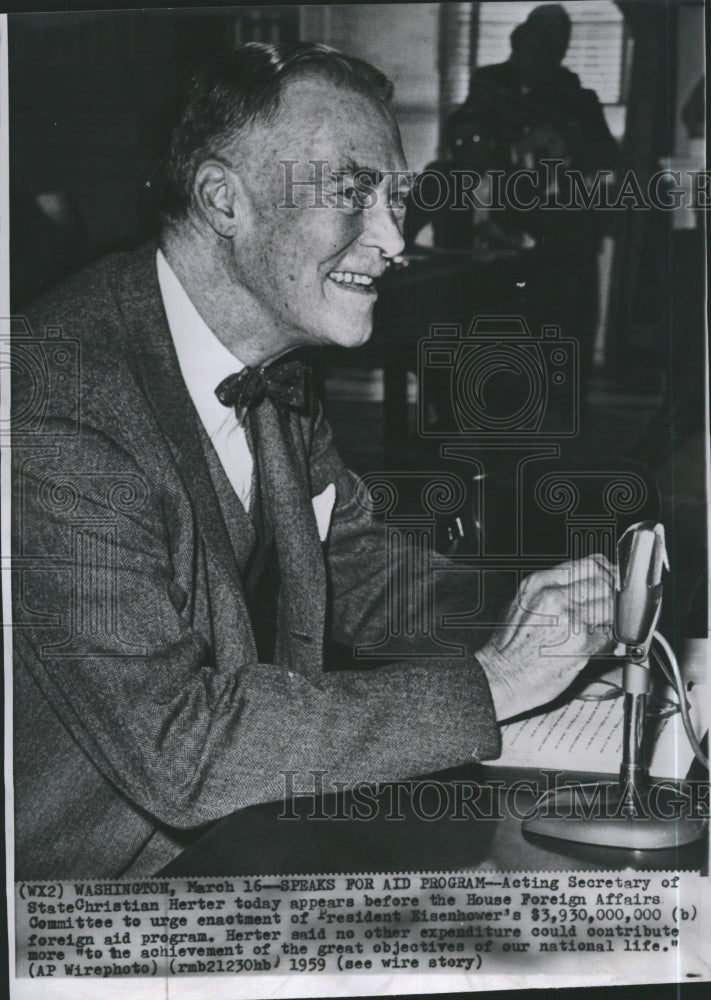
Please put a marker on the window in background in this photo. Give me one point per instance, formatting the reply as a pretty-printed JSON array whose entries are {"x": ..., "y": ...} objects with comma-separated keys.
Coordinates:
[
  {"x": 265, "y": 24},
  {"x": 600, "y": 48},
  {"x": 454, "y": 54}
]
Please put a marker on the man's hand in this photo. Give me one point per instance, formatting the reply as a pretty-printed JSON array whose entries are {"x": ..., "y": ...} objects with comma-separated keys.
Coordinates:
[{"x": 559, "y": 618}]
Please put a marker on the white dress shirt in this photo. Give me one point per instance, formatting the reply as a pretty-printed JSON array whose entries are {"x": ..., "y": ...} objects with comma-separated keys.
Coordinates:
[{"x": 204, "y": 362}]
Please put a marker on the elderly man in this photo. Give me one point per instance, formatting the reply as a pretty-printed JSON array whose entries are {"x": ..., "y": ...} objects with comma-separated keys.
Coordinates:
[{"x": 186, "y": 533}]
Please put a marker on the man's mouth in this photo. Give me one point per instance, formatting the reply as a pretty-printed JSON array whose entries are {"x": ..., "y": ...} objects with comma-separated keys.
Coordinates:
[{"x": 354, "y": 281}]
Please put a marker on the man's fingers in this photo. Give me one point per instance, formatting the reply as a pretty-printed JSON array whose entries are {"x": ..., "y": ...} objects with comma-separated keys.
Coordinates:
[
  {"x": 566, "y": 573},
  {"x": 592, "y": 608},
  {"x": 607, "y": 568},
  {"x": 566, "y": 599},
  {"x": 557, "y": 617},
  {"x": 593, "y": 614},
  {"x": 552, "y": 597},
  {"x": 591, "y": 591}
]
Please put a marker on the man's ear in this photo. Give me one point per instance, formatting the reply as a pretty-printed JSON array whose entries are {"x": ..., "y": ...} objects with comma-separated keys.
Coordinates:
[{"x": 219, "y": 197}]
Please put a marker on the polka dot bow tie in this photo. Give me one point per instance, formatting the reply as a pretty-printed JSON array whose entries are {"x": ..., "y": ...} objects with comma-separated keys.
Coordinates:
[{"x": 287, "y": 383}]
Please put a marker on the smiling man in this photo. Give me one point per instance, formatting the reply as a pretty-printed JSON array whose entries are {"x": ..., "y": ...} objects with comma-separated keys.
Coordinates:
[
  {"x": 297, "y": 255},
  {"x": 187, "y": 537}
]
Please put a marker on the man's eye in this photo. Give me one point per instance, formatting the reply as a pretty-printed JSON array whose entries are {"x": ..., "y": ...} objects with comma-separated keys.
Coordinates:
[{"x": 349, "y": 197}]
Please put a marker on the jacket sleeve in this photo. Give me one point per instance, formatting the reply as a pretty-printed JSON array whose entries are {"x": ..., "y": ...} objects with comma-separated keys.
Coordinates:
[{"x": 186, "y": 734}]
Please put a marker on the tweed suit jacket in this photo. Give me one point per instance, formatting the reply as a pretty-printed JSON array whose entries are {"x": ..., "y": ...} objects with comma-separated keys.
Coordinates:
[{"x": 141, "y": 712}]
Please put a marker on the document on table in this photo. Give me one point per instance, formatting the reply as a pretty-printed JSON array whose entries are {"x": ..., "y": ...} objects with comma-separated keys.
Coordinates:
[{"x": 586, "y": 735}]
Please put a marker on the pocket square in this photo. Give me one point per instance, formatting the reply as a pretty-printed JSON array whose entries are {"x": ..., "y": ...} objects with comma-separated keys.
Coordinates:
[{"x": 323, "y": 508}]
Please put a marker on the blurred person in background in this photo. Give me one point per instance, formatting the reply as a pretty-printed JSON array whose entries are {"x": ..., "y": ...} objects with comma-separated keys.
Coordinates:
[{"x": 544, "y": 116}]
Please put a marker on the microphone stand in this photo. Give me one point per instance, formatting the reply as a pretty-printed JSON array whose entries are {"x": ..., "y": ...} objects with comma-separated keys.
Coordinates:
[
  {"x": 630, "y": 813},
  {"x": 636, "y": 685}
]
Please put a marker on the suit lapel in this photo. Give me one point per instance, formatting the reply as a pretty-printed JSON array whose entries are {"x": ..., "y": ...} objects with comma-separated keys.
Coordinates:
[{"x": 155, "y": 364}]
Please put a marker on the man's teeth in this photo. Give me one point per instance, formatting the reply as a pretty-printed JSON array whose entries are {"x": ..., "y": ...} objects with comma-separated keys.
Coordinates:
[{"x": 350, "y": 278}]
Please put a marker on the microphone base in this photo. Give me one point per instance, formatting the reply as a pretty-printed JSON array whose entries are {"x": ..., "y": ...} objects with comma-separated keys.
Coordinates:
[{"x": 607, "y": 814}]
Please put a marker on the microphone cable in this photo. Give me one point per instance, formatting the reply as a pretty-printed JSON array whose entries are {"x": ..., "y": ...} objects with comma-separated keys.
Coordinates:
[{"x": 678, "y": 684}]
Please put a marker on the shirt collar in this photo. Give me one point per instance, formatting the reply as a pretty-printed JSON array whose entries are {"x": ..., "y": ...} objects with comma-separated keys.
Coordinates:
[{"x": 204, "y": 360}]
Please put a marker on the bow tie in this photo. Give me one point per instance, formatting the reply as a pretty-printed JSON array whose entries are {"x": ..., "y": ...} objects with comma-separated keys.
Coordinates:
[{"x": 287, "y": 383}]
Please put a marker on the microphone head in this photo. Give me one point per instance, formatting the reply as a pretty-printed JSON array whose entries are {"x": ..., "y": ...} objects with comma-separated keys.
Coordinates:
[{"x": 641, "y": 558}]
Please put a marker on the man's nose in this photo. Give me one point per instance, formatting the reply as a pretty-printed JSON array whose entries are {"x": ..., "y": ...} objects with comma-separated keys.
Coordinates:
[{"x": 382, "y": 229}]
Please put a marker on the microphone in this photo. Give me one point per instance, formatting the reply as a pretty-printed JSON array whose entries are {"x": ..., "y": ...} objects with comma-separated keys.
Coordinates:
[
  {"x": 629, "y": 816},
  {"x": 641, "y": 557}
]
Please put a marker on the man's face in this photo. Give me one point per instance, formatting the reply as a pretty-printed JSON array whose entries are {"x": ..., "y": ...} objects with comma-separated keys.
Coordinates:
[{"x": 309, "y": 254}]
